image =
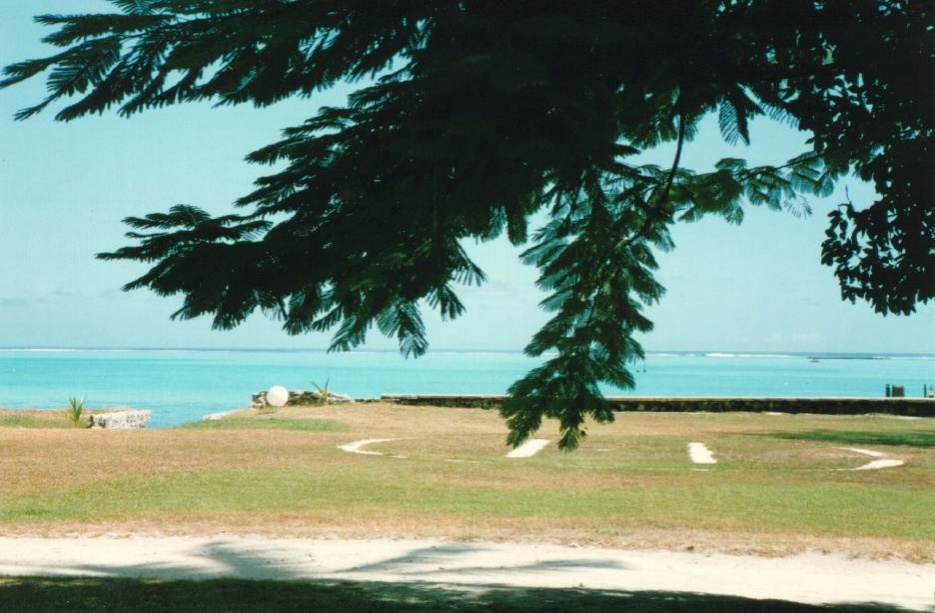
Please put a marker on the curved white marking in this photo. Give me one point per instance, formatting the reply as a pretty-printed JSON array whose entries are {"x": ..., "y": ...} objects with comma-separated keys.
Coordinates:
[
  {"x": 529, "y": 448},
  {"x": 358, "y": 446},
  {"x": 872, "y": 454},
  {"x": 876, "y": 464},
  {"x": 700, "y": 454}
]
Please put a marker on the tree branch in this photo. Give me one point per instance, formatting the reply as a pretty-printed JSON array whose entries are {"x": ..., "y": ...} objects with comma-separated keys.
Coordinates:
[{"x": 654, "y": 213}]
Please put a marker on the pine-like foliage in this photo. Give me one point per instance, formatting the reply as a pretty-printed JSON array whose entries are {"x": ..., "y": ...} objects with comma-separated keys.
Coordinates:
[{"x": 480, "y": 113}]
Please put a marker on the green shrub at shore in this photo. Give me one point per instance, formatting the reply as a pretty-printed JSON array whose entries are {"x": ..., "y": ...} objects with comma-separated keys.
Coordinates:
[{"x": 75, "y": 411}]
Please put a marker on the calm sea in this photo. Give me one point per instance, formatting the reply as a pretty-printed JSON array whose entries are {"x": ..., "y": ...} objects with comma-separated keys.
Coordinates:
[{"x": 183, "y": 385}]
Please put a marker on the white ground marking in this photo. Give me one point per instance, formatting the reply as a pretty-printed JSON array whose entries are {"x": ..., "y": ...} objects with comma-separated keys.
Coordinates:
[
  {"x": 872, "y": 454},
  {"x": 700, "y": 454},
  {"x": 876, "y": 464},
  {"x": 358, "y": 446},
  {"x": 529, "y": 448}
]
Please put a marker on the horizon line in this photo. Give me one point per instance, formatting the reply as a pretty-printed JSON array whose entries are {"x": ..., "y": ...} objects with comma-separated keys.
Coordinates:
[{"x": 724, "y": 353}]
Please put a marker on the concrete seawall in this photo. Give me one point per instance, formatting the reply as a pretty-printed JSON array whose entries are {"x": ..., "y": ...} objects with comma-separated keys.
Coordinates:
[{"x": 914, "y": 407}]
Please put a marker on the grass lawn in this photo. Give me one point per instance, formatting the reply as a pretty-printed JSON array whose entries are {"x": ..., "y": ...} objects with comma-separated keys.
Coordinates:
[{"x": 783, "y": 483}]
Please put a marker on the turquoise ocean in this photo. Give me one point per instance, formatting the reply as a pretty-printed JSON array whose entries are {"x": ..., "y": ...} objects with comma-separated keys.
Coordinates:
[{"x": 182, "y": 385}]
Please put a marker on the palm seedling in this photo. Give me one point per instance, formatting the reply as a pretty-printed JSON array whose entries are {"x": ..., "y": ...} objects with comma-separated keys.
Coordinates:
[{"x": 75, "y": 410}]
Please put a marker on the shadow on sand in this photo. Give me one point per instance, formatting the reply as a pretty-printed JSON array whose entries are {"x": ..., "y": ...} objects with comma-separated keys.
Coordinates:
[
  {"x": 46, "y": 595},
  {"x": 148, "y": 588}
]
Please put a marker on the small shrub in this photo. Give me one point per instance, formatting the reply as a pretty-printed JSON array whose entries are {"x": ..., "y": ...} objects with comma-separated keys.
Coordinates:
[
  {"x": 75, "y": 410},
  {"x": 323, "y": 391}
]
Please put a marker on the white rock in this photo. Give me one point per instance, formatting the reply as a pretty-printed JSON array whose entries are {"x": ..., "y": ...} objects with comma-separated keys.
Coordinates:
[{"x": 121, "y": 420}]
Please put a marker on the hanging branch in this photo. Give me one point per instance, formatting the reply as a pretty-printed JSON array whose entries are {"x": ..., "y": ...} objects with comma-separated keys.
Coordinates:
[{"x": 655, "y": 213}]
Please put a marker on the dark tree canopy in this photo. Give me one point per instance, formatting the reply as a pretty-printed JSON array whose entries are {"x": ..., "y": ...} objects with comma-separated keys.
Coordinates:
[{"x": 478, "y": 114}]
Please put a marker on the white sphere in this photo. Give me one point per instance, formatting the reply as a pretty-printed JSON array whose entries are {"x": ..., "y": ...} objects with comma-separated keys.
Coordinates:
[{"x": 277, "y": 396}]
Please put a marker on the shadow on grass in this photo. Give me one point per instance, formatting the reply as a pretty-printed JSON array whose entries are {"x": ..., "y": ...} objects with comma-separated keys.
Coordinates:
[
  {"x": 906, "y": 439},
  {"x": 54, "y": 595}
]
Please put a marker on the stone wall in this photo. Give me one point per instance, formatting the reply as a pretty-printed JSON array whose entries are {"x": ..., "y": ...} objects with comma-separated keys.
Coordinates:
[
  {"x": 301, "y": 398},
  {"x": 918, "y": 407},
  {"x": 121, "y": 420}
]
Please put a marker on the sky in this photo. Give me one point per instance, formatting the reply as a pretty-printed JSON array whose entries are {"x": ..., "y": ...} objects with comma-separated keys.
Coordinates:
[{"x": 64, "y": 188}]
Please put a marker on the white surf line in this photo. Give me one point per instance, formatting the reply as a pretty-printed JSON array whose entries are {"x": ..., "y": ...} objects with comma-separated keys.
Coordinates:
[
  {"x": 529, "y": 448},
  {"x": 219, "y": 416},
  {"x": 700, "y": 454},
  {"x": 358, "y": 446},
  {"x": 875, "y": 464}
]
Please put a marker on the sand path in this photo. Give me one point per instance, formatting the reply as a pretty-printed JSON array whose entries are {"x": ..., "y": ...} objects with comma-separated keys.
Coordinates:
[{"x": 810, "y": 578}]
